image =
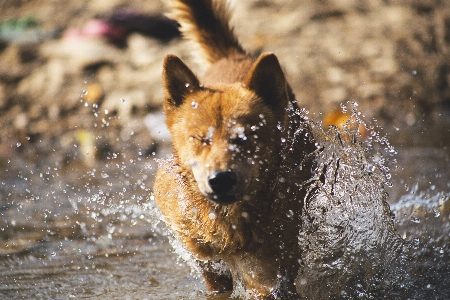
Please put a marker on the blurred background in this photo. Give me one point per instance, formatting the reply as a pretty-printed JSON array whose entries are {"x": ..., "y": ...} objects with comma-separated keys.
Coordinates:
[
  {"x": 81, "y": 122},
  {"x": 391, "y": 57}
]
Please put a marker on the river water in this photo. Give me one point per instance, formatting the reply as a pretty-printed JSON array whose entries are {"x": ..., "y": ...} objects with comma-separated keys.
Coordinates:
[{"x": 72, "y": 230}]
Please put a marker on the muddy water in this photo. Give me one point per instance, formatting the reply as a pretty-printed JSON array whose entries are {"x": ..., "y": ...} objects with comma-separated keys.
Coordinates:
[{"x": 76, "y": 231}]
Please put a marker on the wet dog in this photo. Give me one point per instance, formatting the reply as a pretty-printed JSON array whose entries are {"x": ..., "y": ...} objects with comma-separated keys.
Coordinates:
[{"x": 233, "y": 192}]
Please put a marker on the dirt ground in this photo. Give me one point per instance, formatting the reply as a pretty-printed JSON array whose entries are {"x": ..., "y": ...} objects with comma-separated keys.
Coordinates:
[{"x": 67, "y": 93}]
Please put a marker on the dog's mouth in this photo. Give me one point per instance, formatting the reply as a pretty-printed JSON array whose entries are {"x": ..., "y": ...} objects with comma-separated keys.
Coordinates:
[{"x": 224, "y": 199}]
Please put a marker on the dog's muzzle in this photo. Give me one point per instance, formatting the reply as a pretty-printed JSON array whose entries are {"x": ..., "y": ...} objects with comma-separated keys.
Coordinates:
[{"x": 222, "y": 183}]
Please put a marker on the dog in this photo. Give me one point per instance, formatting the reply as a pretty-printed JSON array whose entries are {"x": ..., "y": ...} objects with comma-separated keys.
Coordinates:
[{"x": 233, "y": 192}]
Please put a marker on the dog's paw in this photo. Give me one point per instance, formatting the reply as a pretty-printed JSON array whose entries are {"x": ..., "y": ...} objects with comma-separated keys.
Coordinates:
[{"x": 217, "y": 276}]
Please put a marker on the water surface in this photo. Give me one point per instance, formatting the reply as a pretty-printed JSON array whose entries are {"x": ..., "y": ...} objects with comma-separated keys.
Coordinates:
[{"x": 72, "y": 230}]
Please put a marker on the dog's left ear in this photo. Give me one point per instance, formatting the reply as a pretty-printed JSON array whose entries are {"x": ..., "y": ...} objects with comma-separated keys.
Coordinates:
[
  {"x": 178, "y": 81},
  {"x": 266, "y": 79}
]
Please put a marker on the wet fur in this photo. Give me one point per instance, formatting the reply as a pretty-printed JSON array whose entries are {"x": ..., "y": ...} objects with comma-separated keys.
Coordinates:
[{"x": 239, "y": 117}]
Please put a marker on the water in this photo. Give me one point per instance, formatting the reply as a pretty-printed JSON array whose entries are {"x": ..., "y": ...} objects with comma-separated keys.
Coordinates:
[
  {"x": 72, "y": 231},
  {"x": 349, "y": 238},
  {"x": 353, "y": 245},
  {"x": 83, "y": 230}
]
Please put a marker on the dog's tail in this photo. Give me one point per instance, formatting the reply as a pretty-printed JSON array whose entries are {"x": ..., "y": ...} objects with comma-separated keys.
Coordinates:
[{"x": 207, "y": 22}]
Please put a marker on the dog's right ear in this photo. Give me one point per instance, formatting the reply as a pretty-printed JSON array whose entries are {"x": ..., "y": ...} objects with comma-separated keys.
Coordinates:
[
  {"x": 178, "y": 81},
  {"x": 266, "y": 79}
]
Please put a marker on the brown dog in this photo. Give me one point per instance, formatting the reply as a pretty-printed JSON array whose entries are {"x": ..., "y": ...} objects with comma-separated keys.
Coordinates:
[{"x": 233, "y": 192}]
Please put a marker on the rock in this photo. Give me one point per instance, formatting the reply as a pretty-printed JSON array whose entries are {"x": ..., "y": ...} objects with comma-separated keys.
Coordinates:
[
  {"x": 123, "y": 103},
  {"x": 2, "y": 95},
  {"x": 21, "y": 121},
  {"x": 334, "y": 95},
  {"x": 79, "y": 54},
  {"x": 11, "y": 67},
  {"x": 93, "y": 93},
  {"x": 45, "y": 82},
  {"x": 142, "y": 50},
  {"x": 371, "y": 90},
  {"x": 335, "y": 75}
]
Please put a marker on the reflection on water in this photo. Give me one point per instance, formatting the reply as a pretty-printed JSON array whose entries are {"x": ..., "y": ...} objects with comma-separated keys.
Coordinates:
[
  {"x": 69, "y": 231},
  {"x": 125, "y": 269}
]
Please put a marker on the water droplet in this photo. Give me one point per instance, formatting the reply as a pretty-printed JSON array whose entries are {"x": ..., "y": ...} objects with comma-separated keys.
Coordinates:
[
  {"x": 415, "y": 219},
  {"x": 290, "y": 214},
  {"x": 194, "y": 104},
  {"x": 187, "y": 85},
  {"x": 232, "y": 147}
]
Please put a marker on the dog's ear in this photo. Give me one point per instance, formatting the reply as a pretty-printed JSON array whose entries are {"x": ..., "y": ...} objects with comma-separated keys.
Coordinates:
[
  {"x": 178, "y": 80},
  {"x": 266, "y": 79}
]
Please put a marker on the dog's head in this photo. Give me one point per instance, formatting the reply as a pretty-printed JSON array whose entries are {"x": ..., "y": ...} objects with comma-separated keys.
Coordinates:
[{"x": 227, "y": 135}]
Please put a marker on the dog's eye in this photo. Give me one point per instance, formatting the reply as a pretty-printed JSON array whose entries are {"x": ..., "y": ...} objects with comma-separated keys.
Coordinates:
[
  {"x": 194, "y": 138},
  {"x": 205, "y": 141}
]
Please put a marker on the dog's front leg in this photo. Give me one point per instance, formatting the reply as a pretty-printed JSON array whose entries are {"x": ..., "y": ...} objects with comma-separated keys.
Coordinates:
[{"x": 217, "y": 276}]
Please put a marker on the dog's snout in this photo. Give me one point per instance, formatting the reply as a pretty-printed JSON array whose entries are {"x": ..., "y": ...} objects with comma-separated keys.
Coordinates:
[{"x": 222, "y": 182}]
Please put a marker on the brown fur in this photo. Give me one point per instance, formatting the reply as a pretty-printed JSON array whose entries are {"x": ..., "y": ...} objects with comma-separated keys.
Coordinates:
[
  {"x": 207, "y": 24},
  {"x": 235, "y": 120}
]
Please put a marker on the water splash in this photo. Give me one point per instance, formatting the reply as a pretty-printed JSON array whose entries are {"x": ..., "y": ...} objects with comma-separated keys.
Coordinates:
[
  {"x": 49, "y": 207},
  {"x": 348, "y": 239}
]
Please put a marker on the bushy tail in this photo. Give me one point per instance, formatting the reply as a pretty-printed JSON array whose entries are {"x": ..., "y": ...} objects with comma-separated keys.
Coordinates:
[{"x": 206, "y": 22}]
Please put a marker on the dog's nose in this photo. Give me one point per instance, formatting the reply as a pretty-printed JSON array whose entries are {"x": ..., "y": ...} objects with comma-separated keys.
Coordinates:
[{"x": 222, "y": 182}]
